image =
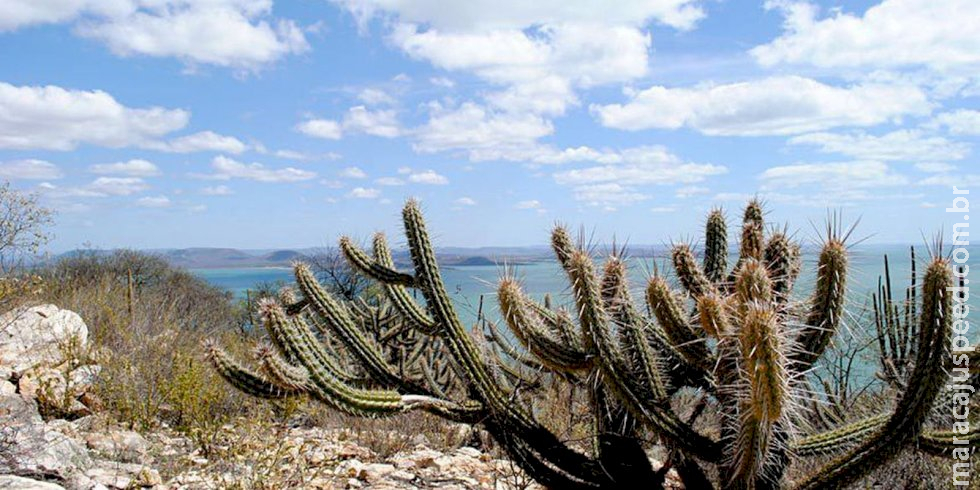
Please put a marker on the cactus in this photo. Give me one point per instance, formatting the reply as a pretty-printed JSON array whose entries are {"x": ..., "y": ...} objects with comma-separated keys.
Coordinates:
[{"x": 736, "y": 334}]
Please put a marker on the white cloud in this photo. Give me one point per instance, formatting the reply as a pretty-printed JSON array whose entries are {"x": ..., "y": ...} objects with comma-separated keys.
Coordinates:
[
  {"x": 115, "y": 186},
  {"x": 465, "y": 201},
  {"x": 616, "y": 178},
  {"x": 517, "y": 14},
  {"x": 29, "y": 169},
  {"x": 950, "y": 180},
  {"x": 442, "y": 82},
  {"x": 893, "y": 33},
  {"x": 226, "y": 168},
  {"x": 230, "y": 33},
  {"x": 389, "y": 181},
  {"x": 218, "y": 190},
  {"x": 20, "y": 13},
  {"x": 153, "y": 202},
  {"x": 382, "y": 123},
  {"x": 691, "y": 191},
  {"x": 531, "y": 204},
  {"x": 373, "y": 96},
  {"x": 842, "y": 175},
  {"x": 961, "y": 121},
  {"x": 364, "y": 193},
  {"x": 935, "y": 167},
  {"x": 54, "y": 118},
  {"x": 358, "y": 119},
  {"x": 900, "y": 145},
  {"x": 770, "y": 106},
  {"x": 353, "y": 173},
  {"x": 484, "y": 133},
  {"x": 204, "y": 141},
  {"x": 586, "y": 54},
  {"x": 429, "y": 177},
  {"x": 320, "y": 128},
  {"x": 132, "y": 168}
]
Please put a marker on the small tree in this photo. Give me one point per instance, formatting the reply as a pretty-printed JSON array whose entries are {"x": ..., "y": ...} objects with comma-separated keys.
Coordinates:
[{"x": 23, "y": 227}]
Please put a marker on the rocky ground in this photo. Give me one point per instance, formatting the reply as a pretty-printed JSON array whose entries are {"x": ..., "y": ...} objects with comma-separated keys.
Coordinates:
[
  {"x": 74, "y": 446},
  {"x": 54, "y": 435}
]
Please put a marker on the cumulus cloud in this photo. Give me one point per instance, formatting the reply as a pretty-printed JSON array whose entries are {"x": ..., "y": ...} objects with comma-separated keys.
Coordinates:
[
  {"x": 838, "y": 175},
  {"x": 893, "y": 33},
  {"x": 115, "y": 186},
  {"x": 373, "y": 96},
  {"x": 30, "y": 169},
  {"x": 465, "y": 201},
  {"x": 54, "y": 118},
  {"x": 353, "y": 173},
  {"x": 364, "y": 193},
  {"x": 133, "y": 168},
  {"x": 321, "y": 128},
  {"x": 485, "y": 134},
  {"x": 429, "y": 177},
  {"x": 617, "y": 178},
  {"x": 153, "y": 202},
  {"x": 900, "y": 145},
  {"x": 530, "y": 204},
  {"x": 358, "y": 119},
  {"x": 218, "y": 190},
  {"x": 961, "y": 121},
  {"x": 482, "y": 15},
  {"x": 769, "y": 106},
  {"x": 389, "y": 181},
  {"x": 225, "y": 168},
  {"x": 203, "y": 141}
]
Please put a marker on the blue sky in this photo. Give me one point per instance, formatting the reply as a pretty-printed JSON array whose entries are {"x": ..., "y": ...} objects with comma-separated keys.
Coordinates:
[{"x": 261, "y": 124}]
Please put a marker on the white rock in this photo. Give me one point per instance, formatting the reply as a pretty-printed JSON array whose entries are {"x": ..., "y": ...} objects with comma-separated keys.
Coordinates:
[
  {"x": 11, "y": 482},
  {"x": 39, "y": 335}
]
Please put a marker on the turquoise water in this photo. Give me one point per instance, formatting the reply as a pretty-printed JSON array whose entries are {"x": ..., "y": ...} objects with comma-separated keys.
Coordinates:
[{"x": 467, "y": 284}]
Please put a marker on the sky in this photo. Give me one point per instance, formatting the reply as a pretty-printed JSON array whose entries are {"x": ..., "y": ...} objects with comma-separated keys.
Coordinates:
[{"x": 273, "y": 124}]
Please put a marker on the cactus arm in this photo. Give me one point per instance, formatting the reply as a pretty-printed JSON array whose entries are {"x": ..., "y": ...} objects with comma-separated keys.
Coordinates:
[
  {"x": 673, "y": 320},
  {"x": 373, "y": 268},
  {"x": 528, "y": 330},
  {"x": 694, "y": 280},
  {"x": 839, "y": 439},
  {"x": 280, "y": 372},
  {"x": 779, "y": 258},
  {"x": 398, "y": 295},
  {"x": 340, "y": 323},
  {"x": 559, "y": 322},
  {"x": 923, "y": 387},
  {"x": 764, "y": 373},
  {"x": 827, "y": 305},
  {"x": 244, "y": 379},
  {"x": 944, "y": 443},
  {"x": 715, "y": 246}
]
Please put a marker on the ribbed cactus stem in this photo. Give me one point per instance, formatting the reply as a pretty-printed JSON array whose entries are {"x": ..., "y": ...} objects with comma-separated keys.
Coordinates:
[
  {"x": 529, "y": 330},
  {"x": 399, "y": 296},
  {"x": 715, "y": 246},
  {"x": 694, "y": 280},
  {"x": 281, "y": 372},
  {"x": 752, "y": 284},
  {"x": 372, "y": 268},
  {"x": 713, "y": 314},
  {"x": 826, "y": 304},
  {"x": 779, "y": 259},
  {"x": 753, "y": 232},
  {"x": 674, "y": 321},
  {"x": 242, "y": 378}
]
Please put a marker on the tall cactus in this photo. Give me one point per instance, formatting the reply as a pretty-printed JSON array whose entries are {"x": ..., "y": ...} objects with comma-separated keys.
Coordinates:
[{"x": 737, "y": 334}]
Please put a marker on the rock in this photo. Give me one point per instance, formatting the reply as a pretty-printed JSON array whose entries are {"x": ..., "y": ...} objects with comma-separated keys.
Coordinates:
[
  {"x": 36, "y": 450},
  {"x": 7, "y": 388},
  {"x": 42, "y": 335},
  {"x": 11, "y": 482},
  {"x": 119, "y": 445},
  {"x": 376, "y": 471},
  {"x": 16, "y": 412}
]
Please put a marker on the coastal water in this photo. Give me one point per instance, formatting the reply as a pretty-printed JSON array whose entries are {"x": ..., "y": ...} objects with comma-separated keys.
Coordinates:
[{"x": 466, "y": 284}]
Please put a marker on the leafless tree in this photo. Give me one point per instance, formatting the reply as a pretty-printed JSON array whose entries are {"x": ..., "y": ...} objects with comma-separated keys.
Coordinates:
[{"x": 24, "y": 226}]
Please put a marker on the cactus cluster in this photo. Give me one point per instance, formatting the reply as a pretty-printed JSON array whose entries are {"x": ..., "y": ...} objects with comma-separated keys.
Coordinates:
[{"x": 736, "y": 335}]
